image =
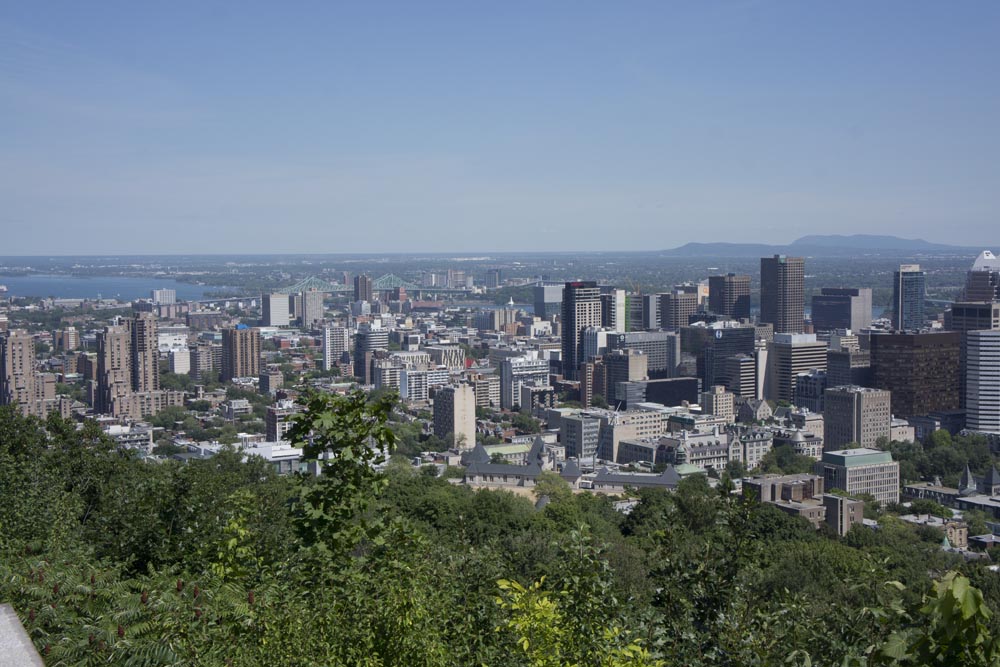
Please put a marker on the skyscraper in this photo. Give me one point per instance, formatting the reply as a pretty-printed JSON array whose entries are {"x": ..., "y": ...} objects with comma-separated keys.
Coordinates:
[
  {"x": 363, "y": 288},
  {"x": 983, "y": 280},
  {"x": 581, "y": 308},
  {"x": 729, "y": 295},
  {"x": 163, "y": 296},
  {"x": 547, "y": 299},
  {"x": 855, "y": 415},
  {"x": 114, "y": 369},
  {"x": 624, "y": 366},
  {"x": 367, "y": 342},
  {"x": 982, "y": 402},
  {"x": 336, "y": 342},
  {"x": 842, "y": 308},
  {"x": 455, "y": 415},
  {"x": 676, "y": 309},
  {"x": 662, "y": 349},
  {"x": 516, "y": 372},
  {"x": 789, "y": 355},
  {"x": 720, "y": 343},
  {"x": 240, "y": 353},
  {"x": 17, "y": 369},
  {"x": 782, "y": 293},
  {"x": 145, "y": 368},
  {"x": 920, "y": 369},
  {"x": 312, "y": 308},
  {"x": 274, "y": 310},
  {"x": 613, "y": 308},
  {"x": 908, "y": 291}
]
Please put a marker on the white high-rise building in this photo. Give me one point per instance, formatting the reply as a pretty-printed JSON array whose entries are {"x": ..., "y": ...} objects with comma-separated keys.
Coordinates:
[
  {"x": 180, "y": 361},
  {"x": 336, "y": 341},
  {"x": 982, "y": 388},
  {"x": 163, "y": 296},
  {"x": 274, "y": 309},
  {"x": 516, "y": 372},
  {"x": 455, "y": 414}
]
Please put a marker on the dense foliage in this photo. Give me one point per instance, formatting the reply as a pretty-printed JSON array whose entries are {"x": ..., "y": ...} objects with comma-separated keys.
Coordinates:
[{"x": 112, "y": 560}]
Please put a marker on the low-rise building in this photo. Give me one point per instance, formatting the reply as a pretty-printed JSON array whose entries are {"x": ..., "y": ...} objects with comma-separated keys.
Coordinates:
[{"x": 861, "y": 471}]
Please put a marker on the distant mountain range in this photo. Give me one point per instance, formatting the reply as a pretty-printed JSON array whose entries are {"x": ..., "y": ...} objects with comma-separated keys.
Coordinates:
[{"x": 830, "y": 245}]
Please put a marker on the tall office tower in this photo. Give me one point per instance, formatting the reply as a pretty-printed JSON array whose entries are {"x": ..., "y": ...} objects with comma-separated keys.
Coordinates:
[
  {"x": 367, "y": 342},
  {"x": 719, "y": 402},
  {"x": 676, "y": 309},
  {"x": 312, "y": 308},
  {"x": 965, "y": 317},
  {"x": 145, "y": 353},
  {"x": 729, "y": 295},
  {"x": 274, "y": 310},
  {"x": 163, "y": 296},
  {"x": 114, "y": 369},
  {"x": 650, "y": 311},
  {"x": 336, "y": 343},
  {"x": 493, "y": 278},
  {"x": 547, "y": 299},
  {"x": 240, "y": 353},
  {"x": 613, "y": 308},
  {"x": 810, "y": 388},
  {"x": 662, "y": 349},
  {"x": 363, "y": 288},
  {"x": 455, "y": 415},
  {"x": 787, "y": 356},
  {"x": 740, "y": 374},
  {"x": 782, "y": 293},
  {"x": 855, "y": 416},
  {"x": 17, "y": 369},
  {"x": 908, "y": 292},
  {"x": 842, "y": 308},
  {"x": 983, "y": 280},
  {"x": 633, "y": 312},
  {"x": 982, "y": 402},
  {"x": 516, "y": 372},
  {"x": 972, "y": 316},
  {"x": 920, "y": 369},
  {"x": 851, "y": 366},
  {"x": 581, "y": 308},
  {"x": 595, "y": 342},
  {"x": 624, "y": 366},
  {"x": 719, "y": 344}
]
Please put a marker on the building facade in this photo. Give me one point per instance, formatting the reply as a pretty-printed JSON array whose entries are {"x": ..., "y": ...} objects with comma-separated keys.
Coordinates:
[
  {"x": 909, "y": 286},
  {"x": 982, "y": 403},
  {"x": 782, "y": 293},
  {"x": 729, "y": 295},
  {"x": 856, "y": 415},
  {"x": 920, "y": 369}
]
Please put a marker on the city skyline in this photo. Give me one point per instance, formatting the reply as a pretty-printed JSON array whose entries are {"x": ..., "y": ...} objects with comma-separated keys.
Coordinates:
[{"x": 346, "y": 129}]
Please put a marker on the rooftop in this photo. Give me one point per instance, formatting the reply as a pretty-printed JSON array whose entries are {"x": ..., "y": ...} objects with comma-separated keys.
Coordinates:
[{"x": 860, "y": 456}]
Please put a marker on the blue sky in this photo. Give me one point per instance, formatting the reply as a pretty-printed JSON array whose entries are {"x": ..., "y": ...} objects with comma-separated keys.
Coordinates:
[{"x": 335, "y": 127}]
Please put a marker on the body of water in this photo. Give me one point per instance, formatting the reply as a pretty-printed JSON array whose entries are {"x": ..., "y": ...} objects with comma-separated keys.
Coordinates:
[{"x": 107, "y": 287}]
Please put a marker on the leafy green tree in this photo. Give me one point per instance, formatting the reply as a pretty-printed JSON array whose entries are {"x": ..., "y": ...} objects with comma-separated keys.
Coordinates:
[{"x": 348, "y": 434}]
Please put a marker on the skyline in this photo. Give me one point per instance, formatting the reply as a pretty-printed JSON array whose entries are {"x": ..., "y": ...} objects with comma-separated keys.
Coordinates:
[{"x": 450, "y": 128}]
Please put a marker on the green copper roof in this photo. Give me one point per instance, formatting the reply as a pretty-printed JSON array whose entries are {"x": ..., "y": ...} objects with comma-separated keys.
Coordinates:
[{"x": 850, "y": 458}]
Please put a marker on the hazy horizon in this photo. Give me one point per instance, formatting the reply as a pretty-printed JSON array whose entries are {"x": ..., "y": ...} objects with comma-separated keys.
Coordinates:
[{"x": 449, "y": 128}]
